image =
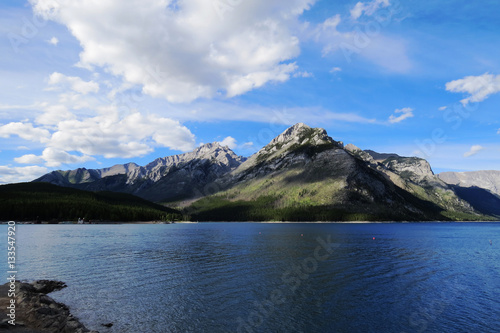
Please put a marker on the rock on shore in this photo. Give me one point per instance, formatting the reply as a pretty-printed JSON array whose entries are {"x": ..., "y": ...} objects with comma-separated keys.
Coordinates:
[{"x": 36, "y": 312}]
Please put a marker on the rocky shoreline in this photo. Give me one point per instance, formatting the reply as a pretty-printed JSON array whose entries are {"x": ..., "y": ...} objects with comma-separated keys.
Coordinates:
[{"x": 35, "y": 312}]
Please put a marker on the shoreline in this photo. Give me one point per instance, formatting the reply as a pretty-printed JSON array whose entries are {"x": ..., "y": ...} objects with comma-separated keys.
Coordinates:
[
  {"x": 263, "y": 222},
  {"x": 35, "y": 311}
]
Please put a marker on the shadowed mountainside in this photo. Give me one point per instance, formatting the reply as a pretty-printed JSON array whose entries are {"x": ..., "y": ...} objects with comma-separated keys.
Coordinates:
[{"x": 48, "y": 202}]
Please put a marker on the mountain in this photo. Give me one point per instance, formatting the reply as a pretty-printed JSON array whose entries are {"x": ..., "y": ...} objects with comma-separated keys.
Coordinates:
[
  {"x": 480, "y": 188},
  {"x": 48, "y": 202},
  {"x": 489, "y": 180},
  {"x": 303, "y": 174},
  {"x": 165, "y": 179}
]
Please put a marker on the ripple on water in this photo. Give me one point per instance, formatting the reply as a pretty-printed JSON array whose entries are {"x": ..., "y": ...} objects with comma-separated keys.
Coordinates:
[{"x": 206, "y": 277}]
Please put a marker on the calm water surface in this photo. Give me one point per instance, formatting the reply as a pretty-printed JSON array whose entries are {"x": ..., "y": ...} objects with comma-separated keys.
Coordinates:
[{"x": 244, "y": 277}]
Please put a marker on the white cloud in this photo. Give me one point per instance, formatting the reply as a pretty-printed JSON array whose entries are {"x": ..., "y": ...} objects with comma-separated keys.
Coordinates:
[
  {"x": 53, "y": 41},
  {"x": 335, "y": 70},
  {"x": 54, "y": 114},
  {"x": 229, "y": 142},
  {"x": 232, "y": 144},
  {"x": 188, "y": 50},
  {"x": 25, "y": 131},
  {"x": 442, "y": 108},
  {"x": 304, "y": 74},
  {"x": 478, "y": 87},
  {"x": 248, "y": 145},
  {"x": 75, "y": 140},
  {"x": 75, "y": 83},
  {"x": 113, "y": 136},
  {"x": 368, "y": 8},
  {"x": 498, "y": 132},
  {"x": 331, "y": 23},
  {"x": 473, "y": 150},
  {"x": 405, "y": 113},
  {"x": 29, "y": 159},
  {"x": 10, "y": 174},
  {"x": 54, "y": 157}
]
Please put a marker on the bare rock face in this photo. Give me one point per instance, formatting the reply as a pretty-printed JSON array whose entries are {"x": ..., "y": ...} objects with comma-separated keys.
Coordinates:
[
  {"x": 413, "y": 168},
  {"x": 488, "y": 179},
  {"x": 163, "y": 179},
  {"x": 222, "y": 158},
  {"x": 360, "y": 153},
  {"x": 288, "y": 148},
  {"x": 36, "y": 312}
]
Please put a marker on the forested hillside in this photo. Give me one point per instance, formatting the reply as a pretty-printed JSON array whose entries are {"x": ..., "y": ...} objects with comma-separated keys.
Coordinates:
[{"x": 47, "y": 202}]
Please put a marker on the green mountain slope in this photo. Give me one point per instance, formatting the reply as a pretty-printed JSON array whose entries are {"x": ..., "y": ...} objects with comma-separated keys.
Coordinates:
[
  {"x": 32, "y": 201},
  {"x": 304, "y": 175}
]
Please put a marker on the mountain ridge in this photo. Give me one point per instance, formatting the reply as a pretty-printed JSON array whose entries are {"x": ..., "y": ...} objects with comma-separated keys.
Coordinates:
[
  {"x": 304, "y": 167},
  {"x": 203, "y": 164},
  {"x": 486, "y": 179},
  {"x": 302, "y": 173}
]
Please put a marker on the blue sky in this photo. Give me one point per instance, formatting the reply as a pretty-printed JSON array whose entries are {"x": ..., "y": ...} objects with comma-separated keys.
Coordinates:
[{"x": 93, "y": 84}]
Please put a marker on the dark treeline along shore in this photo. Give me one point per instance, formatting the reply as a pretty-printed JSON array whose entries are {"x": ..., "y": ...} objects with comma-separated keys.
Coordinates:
[{"x": 47, "y": 202}]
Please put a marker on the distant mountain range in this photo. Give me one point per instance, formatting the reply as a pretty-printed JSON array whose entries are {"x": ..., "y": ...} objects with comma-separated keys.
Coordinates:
[
  {"x": 301, "y": 175},
  {"x": 489, "y": 180},
  {"x": 163, "y": 180}
]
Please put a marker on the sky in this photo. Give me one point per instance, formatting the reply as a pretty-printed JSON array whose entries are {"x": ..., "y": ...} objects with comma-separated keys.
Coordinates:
[{"x": 97, "y": 83}]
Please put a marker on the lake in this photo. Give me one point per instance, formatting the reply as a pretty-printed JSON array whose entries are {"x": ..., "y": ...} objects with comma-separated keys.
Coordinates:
[{"x": 263, "y": 277}]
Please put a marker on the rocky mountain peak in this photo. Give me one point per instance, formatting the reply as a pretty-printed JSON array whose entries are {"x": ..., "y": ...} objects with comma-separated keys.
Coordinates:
[
  {"x": 300, "y": 132},
  {"x": 297, "y": 143},
  {"x": 209, "y": 148}
]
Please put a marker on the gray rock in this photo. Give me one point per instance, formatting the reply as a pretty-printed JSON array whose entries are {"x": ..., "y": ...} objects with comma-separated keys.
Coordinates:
[
  {"x": 37, "y": 312},
  {"x": 165, "y": 179},
  {"x": 415, "y": 169},
  {"x": 487, "y": 179}
]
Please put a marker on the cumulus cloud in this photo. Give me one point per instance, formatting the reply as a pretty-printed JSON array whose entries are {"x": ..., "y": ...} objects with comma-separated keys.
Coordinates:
[
  {"x": 442, "y": 108},
  {"x": 29, "y": 159},
  {"x": 229, "y": 142},
  {"x": 473, "y": 150},
  {"x": 25, "y": 131},
  {"x": 184, "y": 50},
  {"x": 404, "y": 114},
  {"x": 54, "y": 157},
  {"x": 478, "y": 87},
  {"x": 112, "y": 136},
  {"x": 335, "y": 70},
  {"x": 75, "y": 83},
  {"x": 109, "y": 134},
  {"x": 54, "y": 114},
  {"x": 10, "y": 174},
  {"x": 368, "y": 8}
]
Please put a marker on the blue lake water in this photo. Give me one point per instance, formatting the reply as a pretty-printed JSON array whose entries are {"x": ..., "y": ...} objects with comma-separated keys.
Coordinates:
[{"x": 253, "y": 277}]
